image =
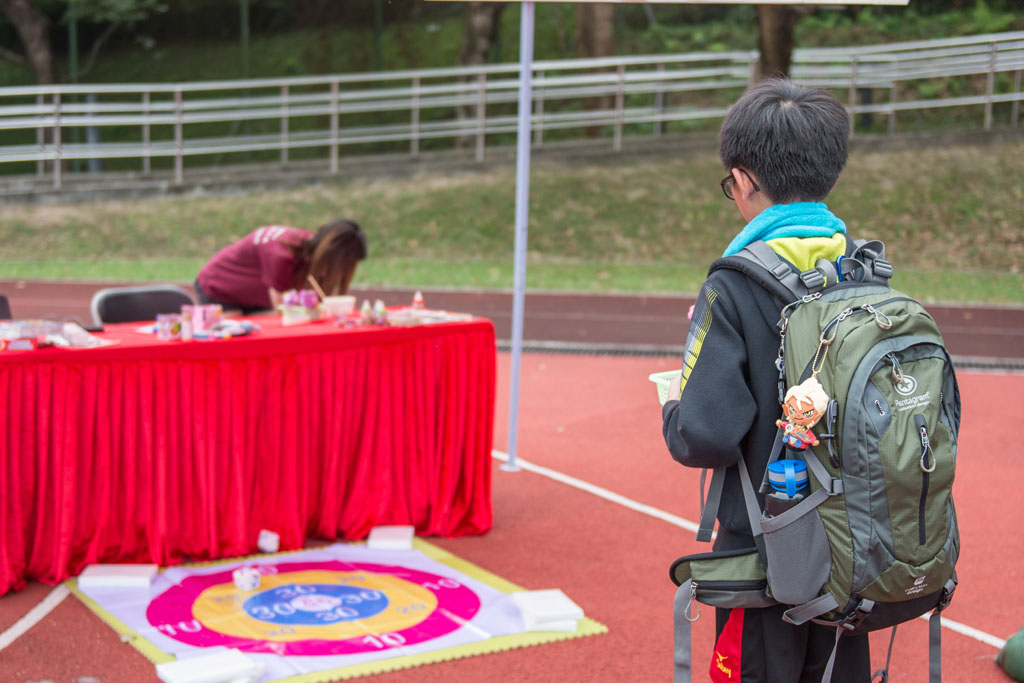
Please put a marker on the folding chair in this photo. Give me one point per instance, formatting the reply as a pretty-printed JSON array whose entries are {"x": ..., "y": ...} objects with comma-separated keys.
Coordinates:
[{"x": 131, "y": 304}]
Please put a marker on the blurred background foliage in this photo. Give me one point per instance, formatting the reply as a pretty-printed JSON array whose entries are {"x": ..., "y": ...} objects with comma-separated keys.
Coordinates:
[{"x": 165, "y": 41}]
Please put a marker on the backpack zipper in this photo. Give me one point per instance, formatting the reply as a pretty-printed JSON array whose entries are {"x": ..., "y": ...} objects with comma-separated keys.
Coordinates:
[
  {"x": 881, "y": 319},
  {"x": 926, "y": 450}
]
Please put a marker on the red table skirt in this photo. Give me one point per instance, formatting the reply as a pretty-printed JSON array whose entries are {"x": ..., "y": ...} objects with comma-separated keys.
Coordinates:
[{"x": 112, "y": 456}]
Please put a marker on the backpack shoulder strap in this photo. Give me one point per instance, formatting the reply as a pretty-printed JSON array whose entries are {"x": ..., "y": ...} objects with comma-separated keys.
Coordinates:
[
  {"x": 762, "y": 265},
  {"x": 863, "y": 261}
]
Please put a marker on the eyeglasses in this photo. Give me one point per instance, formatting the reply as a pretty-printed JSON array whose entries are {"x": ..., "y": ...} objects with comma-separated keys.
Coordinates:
[{"x": 728, "y": 181}]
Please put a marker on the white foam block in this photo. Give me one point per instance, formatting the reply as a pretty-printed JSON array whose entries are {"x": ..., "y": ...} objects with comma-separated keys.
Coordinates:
[
  {"x": 391, "y": 537},
  {"x": 547, "y": 607},
  {"x": 569, "y": 626},
  {"x": 117, "y": 576},
  {"x": 220, "y": 667}
]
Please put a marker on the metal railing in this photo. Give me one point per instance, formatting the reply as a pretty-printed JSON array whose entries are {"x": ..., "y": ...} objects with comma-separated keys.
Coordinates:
[{"x": 616, "y": 96}]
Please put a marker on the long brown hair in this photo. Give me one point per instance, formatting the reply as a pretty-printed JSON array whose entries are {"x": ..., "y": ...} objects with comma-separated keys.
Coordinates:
[{"x": 330, "y": 256}]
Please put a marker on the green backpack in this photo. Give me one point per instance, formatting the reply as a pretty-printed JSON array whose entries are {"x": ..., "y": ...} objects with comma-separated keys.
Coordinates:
[{"x": 874, "y": 541}]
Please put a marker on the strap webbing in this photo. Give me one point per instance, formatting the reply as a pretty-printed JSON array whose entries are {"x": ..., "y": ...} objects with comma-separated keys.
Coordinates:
[
  {"x": 772, "y": 524},
  {"x": 709, "y": 508},
  {"x": 883, "y": 674},
  {"x": 807, "y": 611},
  {"x": 935, "y": 647},
  {"x": 749, "y": 499},
  {"x": 772, "y": 457},
  {"x": 827, "y": 677},
  {"x": 781, "y": 270},
  {"x": 832, "y": 486},
  {"x": 682, "y": 655}
]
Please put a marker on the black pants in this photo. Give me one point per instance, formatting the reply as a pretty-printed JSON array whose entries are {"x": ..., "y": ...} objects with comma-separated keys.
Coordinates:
[{"x": 757, "y": 646}]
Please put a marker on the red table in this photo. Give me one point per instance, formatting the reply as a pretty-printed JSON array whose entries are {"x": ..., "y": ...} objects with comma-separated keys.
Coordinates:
[{"x": 160, "y": 451}]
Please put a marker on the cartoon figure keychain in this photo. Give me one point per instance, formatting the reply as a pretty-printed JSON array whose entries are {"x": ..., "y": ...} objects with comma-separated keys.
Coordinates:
[{"x": 804, "y": 405}]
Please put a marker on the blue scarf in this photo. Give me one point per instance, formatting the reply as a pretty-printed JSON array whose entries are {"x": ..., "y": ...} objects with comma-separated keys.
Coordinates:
[{"x": 800, "y": 219}]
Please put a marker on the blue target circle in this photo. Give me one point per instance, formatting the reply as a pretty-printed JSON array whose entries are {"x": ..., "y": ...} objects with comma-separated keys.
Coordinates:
[{"x": 315, "y": 604}]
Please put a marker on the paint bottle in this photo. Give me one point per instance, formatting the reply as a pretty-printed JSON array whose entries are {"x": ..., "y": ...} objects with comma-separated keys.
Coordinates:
[{"x": 186, "y": 323}]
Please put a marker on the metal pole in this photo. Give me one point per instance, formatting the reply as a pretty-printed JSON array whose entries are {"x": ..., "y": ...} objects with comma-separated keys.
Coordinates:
[
  {"x": 73, "y": 67},
  {"x": 284, "y": 124},
  {"x": 1015, "y": 108},
  {"x": 179, "y": 141},
  {"x": 990, "y": 86},
  {"x": 522, "y": 213},
  {"x": 334, "y": 126},
  {"x": 539, "y": 129},
  {"x": 92, "y": 139},
  {"x": 41, "y": 137},
  {"x": 853, "y": 94},
  {"x": 244, "y": 35},
  {"x": 414, "y": 145},
  {"x": 56, "y": 141},
  {"x": 619, "y": 105},
  {"x": 378, "y": 30},
  {"x": 892, "y": 108},
  {"x": 145, "y": 134},
  {"x": 659, "y": 103},
  {"x": 243, "y": 30},
  {"x": 481, "y": 115}
]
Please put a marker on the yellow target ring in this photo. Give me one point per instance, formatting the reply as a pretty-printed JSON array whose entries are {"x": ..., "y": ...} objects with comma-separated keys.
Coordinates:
[{"x": 315, "y": 605}]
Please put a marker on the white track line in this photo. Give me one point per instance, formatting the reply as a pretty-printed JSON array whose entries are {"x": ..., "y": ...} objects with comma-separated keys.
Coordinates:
[
  {"x": 970, "y": 632},
  {"x": 34, "y": 615},
  {"x": 602, "y": 493},
  {"x": 643, "y": 508}
]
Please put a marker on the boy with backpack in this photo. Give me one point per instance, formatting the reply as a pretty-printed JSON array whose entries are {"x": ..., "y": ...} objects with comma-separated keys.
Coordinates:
[{"x": 784, "y": 146}]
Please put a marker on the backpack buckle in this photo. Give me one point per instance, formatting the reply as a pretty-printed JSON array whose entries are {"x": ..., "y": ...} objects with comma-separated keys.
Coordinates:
[
  {"x": 947, "y": 595},
  {"x": 780, "y": 270},
  {"x": 813, "y": 280},
  {"x": 882, "y": 268},
  {"x": 854, "y": 619}
]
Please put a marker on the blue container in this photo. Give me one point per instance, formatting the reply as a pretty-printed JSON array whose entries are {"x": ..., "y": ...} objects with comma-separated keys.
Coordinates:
[{"x": 788, "y": 476}]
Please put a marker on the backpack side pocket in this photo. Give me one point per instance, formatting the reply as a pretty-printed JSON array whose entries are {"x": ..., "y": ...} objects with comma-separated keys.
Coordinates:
[{"x": 798, "y": 553}]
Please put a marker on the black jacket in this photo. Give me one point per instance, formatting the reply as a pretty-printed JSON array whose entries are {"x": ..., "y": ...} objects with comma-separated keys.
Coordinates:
[{"x": 729, "y": 400}]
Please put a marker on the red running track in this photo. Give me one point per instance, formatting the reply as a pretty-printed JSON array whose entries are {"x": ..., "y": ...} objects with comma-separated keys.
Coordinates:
[{"x": 597, "y": 419}]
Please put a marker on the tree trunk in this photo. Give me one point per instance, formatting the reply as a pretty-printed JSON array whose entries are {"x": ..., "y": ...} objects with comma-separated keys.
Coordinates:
[
  {"x": 775, "y": 40},
  {"x": 481, "y": 30},
  {"x": 595, "y": 37},
  {"x": 33, "y": 28}
]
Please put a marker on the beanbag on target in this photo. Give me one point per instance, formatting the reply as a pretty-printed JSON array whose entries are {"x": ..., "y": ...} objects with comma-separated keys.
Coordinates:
[{"x": 1011, "y": 657}]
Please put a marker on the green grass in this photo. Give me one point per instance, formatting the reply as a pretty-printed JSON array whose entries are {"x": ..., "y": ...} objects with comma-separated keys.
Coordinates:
[{"x": 949, "y": 216}]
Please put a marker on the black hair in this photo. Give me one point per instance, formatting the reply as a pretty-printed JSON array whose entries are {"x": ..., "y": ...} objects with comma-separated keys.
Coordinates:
[{"x": 793, "y": 138}]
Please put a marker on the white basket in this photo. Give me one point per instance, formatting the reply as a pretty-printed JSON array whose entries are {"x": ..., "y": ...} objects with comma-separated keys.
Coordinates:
[{"x": 662, "y": 380}]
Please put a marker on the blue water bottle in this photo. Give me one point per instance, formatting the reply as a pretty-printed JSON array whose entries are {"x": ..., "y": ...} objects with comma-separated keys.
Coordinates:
[{"x": 787, "y": 477}]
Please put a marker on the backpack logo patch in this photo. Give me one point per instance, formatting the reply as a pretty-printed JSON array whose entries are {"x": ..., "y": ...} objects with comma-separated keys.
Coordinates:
[
  {"x": 918, "y": 587},
  {"x": 907, "y": 385}
]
